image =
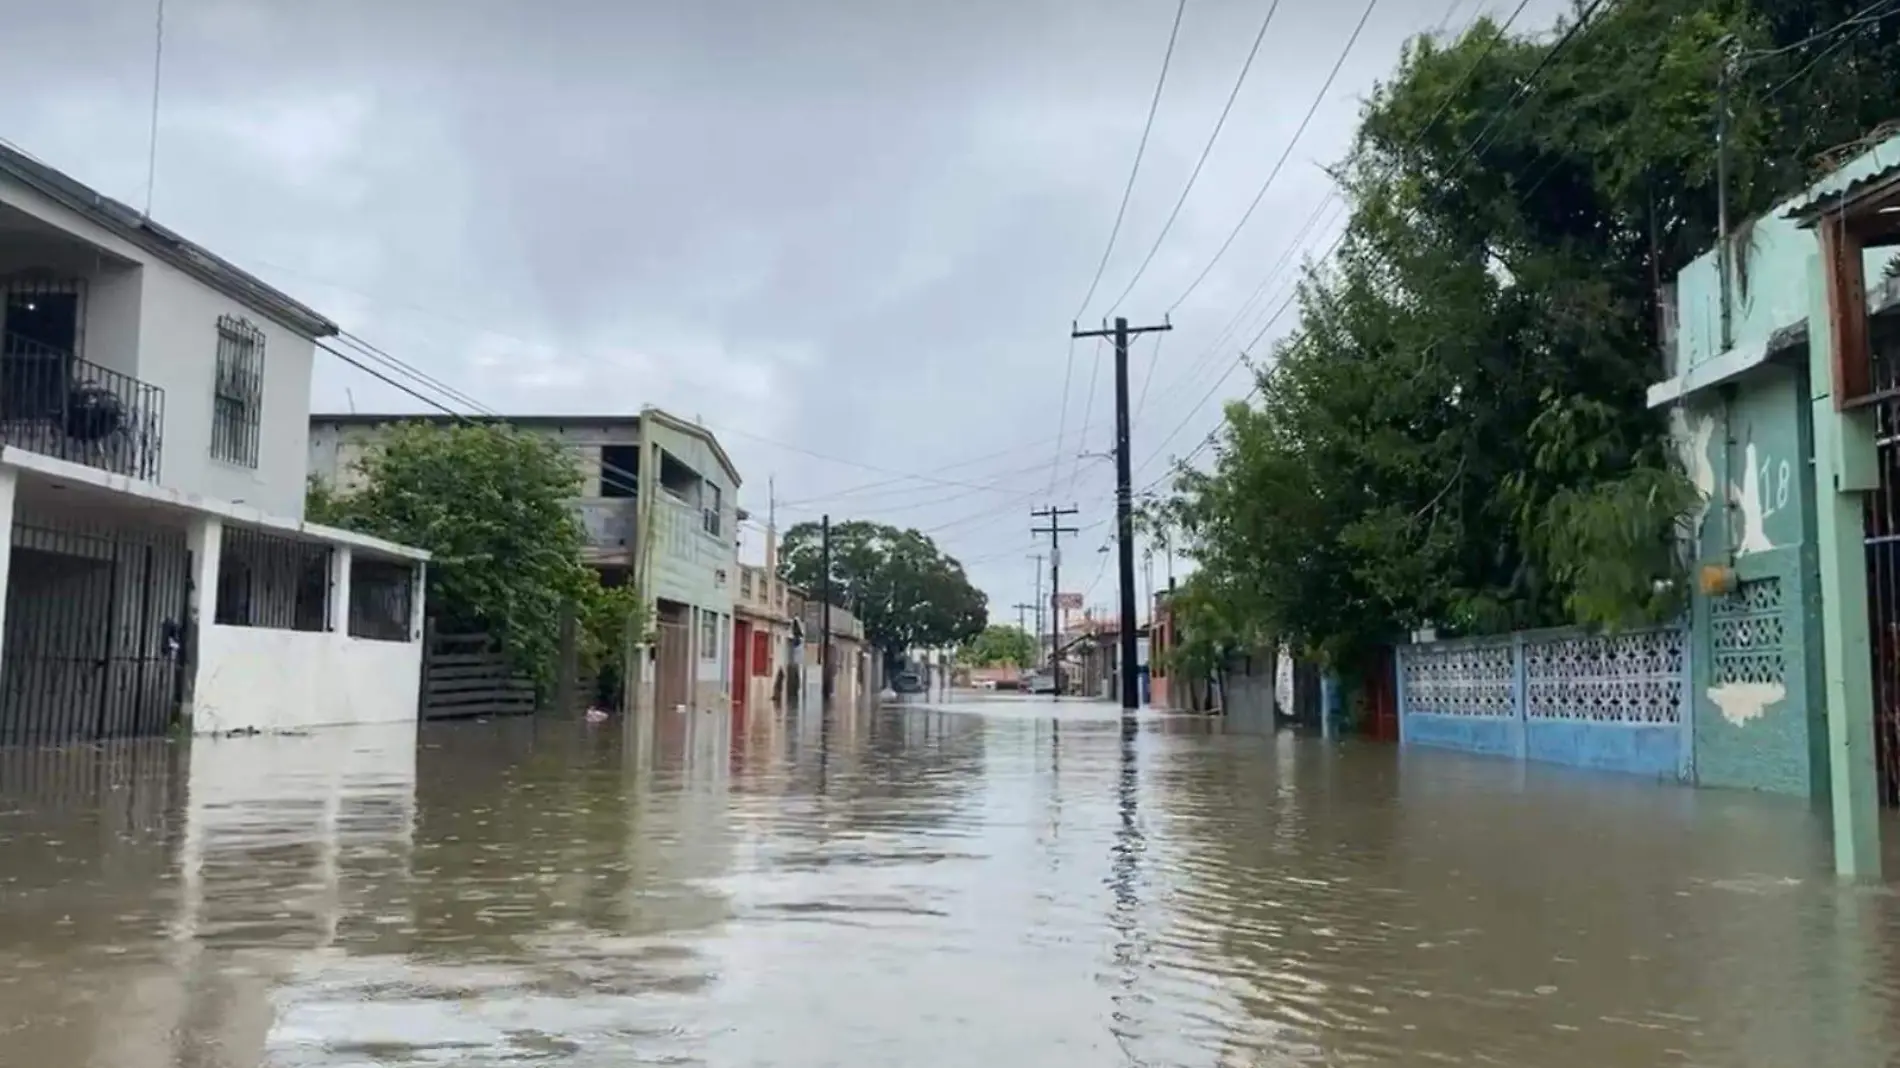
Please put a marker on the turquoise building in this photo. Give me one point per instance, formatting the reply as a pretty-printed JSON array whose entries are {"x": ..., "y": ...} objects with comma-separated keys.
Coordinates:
[{"x": 1772, "y": 398}]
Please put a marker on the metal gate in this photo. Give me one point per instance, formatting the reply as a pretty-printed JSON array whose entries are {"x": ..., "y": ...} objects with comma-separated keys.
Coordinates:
[
  {"x": 1883, "y": 557},
  {"x": 1883, "y": 599},
  {"x": 95, "y": 633}
]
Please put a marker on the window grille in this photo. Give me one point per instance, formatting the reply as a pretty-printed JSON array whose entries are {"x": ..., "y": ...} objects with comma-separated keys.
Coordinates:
[
  {"x": 382, "y": 599},
  {"x": 267, "y": 580},
  {"x": 237, "y": 396}
]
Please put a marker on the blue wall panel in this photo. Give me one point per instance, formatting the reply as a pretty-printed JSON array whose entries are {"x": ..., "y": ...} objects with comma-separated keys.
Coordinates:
[
  {"x": 1473, "y": 734},
  {"x": 1641, "y": 749},
  {"x": 1611, "y": 702}
]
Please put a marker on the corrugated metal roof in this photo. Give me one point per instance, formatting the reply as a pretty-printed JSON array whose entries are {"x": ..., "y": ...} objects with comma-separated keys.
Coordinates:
[
  {"x": 1870, "y": 172},
  {"x": 1815, "y": 203}
]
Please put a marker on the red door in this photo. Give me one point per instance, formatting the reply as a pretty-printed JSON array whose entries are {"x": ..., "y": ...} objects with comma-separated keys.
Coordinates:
[
  {"x": 1381, "y": 701},
  {"x": 741, "y": 663}
]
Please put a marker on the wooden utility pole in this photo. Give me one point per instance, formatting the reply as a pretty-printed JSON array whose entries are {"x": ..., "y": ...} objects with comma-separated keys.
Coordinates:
[
  {"x": 824, "y": 610},
  {"x": 1036, "y": 599},
  {"x": 1124, "y": 504},
  {"x": 1022, "y": 615},
  {"x": 1055, "y": 530}
]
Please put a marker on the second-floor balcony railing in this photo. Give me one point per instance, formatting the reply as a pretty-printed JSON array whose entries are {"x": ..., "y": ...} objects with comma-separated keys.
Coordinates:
[
  {"x": 609, "y": 523},
  {"x": 56, "y": 404}
]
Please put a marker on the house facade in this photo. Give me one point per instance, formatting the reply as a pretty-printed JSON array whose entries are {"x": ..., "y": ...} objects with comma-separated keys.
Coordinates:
[
  {"x": 763, "y": 636},
  {"x": 855, "y": 666},
  {"x": 658, "y": 502},
  {"x": 1785, "y": 345},
  {"x": 152, "y": 400}
]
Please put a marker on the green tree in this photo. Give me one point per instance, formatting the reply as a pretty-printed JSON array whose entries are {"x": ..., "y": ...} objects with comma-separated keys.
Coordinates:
[
  {"x": 492, "y": 506},
  {"x": 1000, "y": 644},
  {"x": 901, "y": 586},
  {"x": 1456, "y": 433}
]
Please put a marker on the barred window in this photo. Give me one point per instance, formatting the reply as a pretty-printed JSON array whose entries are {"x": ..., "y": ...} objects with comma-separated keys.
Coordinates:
[
  {"x": 266, "y": 580},
  {"x": 710, "y": 514},
  {"x": 382, "y": 599},
  {"x": 237, "y": 397}
]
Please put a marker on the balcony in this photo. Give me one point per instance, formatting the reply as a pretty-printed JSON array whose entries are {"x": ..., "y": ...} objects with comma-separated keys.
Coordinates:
[
  {"x": 609, "y": 524},
  {"x": 56, "y": 404}
]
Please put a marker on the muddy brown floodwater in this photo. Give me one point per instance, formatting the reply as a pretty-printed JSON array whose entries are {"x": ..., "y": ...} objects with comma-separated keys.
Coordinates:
[{"x": 1000, "y": 884}]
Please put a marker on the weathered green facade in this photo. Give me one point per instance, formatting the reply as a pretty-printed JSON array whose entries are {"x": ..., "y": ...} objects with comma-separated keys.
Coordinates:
[
  {"x": 1779, "y": 647},
  {"x": 1757, "y": 718}
]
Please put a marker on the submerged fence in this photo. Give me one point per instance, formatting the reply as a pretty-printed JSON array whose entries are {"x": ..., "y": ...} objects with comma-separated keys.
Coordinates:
[{"x": 1612, "y": 701}]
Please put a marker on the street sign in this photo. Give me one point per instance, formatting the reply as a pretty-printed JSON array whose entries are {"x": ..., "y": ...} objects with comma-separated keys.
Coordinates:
[{"x": 1069, "y": 602}]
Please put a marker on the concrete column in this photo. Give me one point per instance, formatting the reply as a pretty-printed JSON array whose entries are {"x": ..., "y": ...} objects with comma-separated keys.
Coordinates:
[
  {"x": 9, "y": 486},
  {"x": 342, "y": 558},
  {"x": 205, "y": 539},
  {"x": 1845, "y": 466},
  {"x": 419, "y": 602}
]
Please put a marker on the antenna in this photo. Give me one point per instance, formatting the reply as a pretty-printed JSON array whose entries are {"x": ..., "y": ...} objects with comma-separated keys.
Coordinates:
[{"x": 158, "y": 69}]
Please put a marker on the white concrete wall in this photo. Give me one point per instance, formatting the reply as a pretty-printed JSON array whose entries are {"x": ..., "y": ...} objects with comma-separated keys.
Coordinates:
[
  {"x": 253, "y": 678},
  {"x": 110, "y": 337},
  {"x": 264, "y": 679},
  {"x": 177, "y": 350}
]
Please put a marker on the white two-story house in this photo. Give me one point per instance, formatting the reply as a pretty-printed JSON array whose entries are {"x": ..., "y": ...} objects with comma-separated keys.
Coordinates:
[
  {"x": 648, "y": 473},
  {"x": 153, "y": 406}
]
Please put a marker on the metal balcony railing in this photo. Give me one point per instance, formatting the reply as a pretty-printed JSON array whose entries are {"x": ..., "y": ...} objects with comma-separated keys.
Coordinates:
[{"x": 54, "y": 403}]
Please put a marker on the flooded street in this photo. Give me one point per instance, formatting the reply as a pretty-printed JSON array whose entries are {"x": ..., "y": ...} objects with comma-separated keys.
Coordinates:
[{"x": 1002, "y": 883}]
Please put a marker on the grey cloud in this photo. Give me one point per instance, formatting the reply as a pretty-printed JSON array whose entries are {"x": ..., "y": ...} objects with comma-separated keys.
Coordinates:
[{"x": 857, "y": 227}]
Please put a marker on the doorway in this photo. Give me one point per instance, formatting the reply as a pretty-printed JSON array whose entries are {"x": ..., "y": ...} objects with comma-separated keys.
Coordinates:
[
  {"x": 741, "y": 664},
  {"x": 672, "y": 682}
]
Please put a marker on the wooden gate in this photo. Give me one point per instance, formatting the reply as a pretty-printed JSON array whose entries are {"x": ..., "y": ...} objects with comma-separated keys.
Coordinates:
[
  {"x": 467, "y": 675},
  {"x": 673, "y": 670}
]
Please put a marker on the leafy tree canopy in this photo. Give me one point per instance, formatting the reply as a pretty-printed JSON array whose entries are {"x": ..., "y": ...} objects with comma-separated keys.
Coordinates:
[
  {"x": 492, "y": 505},
  {"x": 1456, "y": 431},
  {"x": 1000, "y": 644},
  {"x": 903, "y": 588}
]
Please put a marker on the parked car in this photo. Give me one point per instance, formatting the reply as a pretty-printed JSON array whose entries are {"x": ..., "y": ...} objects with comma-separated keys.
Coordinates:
[
  {"x": 1039, "y": 682},
  {"x": 905, "y": 682}
]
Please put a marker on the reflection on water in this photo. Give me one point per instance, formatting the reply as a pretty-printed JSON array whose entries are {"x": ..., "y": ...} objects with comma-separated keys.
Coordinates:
[{"x": 1005, "y": 883}]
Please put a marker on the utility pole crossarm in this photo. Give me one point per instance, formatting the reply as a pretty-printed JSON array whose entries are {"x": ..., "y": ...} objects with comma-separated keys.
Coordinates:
[{"x": 1122, "y": 329}]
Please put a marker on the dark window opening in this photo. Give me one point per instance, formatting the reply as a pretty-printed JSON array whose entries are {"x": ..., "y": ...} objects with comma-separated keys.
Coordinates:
[
  {"x": 679, "y": 480},
  {"x": 279, "y": 583},
  {"x": 619, "y": 470},
  {"x": 711, "y": 515},
  {"x": 382, "y": 599},
  {"x": 44, "y": 319}
]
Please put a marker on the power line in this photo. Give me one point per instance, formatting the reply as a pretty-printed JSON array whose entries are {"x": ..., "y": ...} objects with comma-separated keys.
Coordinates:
[
  {"x": 1871, "y": 13},
  {"x": 1318, "y": 99},
  {"x": 1154, "y": 358},
  {"x": 464, "y": 398},
  {"x": 1332, "y": 198},
  {"x": 1062, "y": 420},
  {"x": 1114, "y": 231},
  {"x": 1206, "y": 150},
  {"x": 858, "y": 497},
  {"x": 1088, "y": 409},
  {"x": 610, "y": 475},
  {"x": 1121, "y": 213},
  {"x": 1443, "y": 106}
]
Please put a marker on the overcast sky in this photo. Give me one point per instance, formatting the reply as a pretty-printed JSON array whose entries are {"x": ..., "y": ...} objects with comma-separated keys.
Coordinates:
[{"x": 847, "y": 235}]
